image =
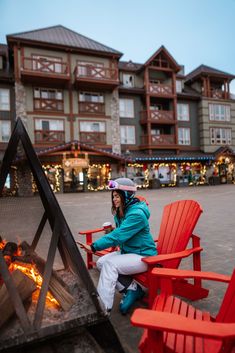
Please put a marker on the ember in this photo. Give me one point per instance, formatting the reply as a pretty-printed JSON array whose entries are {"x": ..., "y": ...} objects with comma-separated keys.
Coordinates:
[
  {"x": 48, "y": 244},
  {"x": 33, "y": 274},
  {"x": 2, "y": 243},
  {"x": 13, "y": 255}
]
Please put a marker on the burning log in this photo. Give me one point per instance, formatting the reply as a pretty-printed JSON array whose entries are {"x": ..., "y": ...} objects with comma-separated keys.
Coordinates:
[
  {"x": 25, "y": 287},
  {"x": 9, "y": 250},
  {"x": 56, "y": 286}
]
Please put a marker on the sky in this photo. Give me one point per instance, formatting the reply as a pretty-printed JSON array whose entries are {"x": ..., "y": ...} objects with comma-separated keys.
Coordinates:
[{"x": 195, "y": 32}]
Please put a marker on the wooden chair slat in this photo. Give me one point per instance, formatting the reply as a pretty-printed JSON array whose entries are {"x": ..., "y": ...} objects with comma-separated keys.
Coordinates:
[
  {"x": 190, "y": 330},
  {"x": 178, "y": 221}
]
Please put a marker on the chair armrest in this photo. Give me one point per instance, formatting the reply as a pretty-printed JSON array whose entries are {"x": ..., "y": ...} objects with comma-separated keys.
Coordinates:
[
  {"x": 156, "y": 320},
  {"x": 152, "y": 260},
  {"x": 91, "y": 231},
  {"x": 173, "y": 273}
]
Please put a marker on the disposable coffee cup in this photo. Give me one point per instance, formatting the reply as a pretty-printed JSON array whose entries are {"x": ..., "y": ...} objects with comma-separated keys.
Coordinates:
[{"x": 107, "y": 227}]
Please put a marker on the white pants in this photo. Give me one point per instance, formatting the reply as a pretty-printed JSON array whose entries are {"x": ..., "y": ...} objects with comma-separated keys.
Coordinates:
[{"x": 110, "y": 266}]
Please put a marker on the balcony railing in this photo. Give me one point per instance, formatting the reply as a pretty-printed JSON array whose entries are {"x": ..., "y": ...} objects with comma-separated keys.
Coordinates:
[
  {"x": 48, "y": 104},
  {"x": 42, "y": 65},
  {"x": 160, "y": 89},
  {"x": 216, "y": 93},
  {"x": 48, "y": 136},
  {"x": 95, "y": 72},
  {"x": 93, "y": 137},
  {"x": 91, "y": 108},
  {"x": 159, "y": 140},
  {"x": 157, "y": 115}
]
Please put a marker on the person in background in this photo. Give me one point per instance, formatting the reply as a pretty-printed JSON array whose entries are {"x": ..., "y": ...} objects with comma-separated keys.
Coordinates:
[{"x": 132, "y": 236}]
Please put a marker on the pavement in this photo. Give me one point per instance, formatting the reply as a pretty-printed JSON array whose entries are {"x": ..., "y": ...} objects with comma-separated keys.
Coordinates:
[
  {"x": 215, "y": 228},
  {"x": 90, "y": 210}
]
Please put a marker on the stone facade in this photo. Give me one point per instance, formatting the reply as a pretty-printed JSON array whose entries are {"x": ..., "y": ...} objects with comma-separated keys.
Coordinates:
[
  {"x": 115, "y": 123},
  {"x": 20, "y": 101}
]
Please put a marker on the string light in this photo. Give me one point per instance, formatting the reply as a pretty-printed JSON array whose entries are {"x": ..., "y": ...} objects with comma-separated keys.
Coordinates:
[{"x": 98, "y": 174}]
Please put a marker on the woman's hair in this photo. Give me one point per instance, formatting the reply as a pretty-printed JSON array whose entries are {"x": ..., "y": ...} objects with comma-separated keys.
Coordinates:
[{"x": 120, "y": 211}]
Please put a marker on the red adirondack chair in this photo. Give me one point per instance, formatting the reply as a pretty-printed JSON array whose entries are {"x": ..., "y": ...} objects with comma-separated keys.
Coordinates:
[
  {"x": 178, "y": 222},
  {"x": 173, "y": 325}
]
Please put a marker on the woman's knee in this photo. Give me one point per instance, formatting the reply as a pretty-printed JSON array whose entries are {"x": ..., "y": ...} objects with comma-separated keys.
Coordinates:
[
  {"x": 99, "y": 263},
  {"x": 104, "y": 259}
]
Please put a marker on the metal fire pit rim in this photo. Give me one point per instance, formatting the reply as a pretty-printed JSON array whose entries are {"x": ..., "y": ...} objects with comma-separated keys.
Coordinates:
[{"x": 47, "y": 332}]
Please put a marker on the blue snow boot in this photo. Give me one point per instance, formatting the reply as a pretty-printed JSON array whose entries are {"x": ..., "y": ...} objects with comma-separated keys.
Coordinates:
[{"x": 129, "y": 299}]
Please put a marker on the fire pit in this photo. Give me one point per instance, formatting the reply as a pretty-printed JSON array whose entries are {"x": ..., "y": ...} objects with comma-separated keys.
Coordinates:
[{"x": 45, "y": 288}]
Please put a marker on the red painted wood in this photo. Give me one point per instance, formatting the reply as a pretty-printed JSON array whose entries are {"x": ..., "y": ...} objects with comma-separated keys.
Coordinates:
[
  {"x": 227, "y": 310},
  {"x": 183, "y": 328},
  {"x": 178, "y": 222}
]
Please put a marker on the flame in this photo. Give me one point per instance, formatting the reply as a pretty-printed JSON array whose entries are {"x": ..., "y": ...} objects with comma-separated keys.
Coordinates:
[
  {"x": 32, "y": 273},
  {"x": 2, "y": 244}
]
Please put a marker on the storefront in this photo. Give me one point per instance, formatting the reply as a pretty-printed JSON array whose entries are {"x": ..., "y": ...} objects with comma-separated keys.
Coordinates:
[
  {"x": 72, "y": 168},
  {"x": 80, "y": 168}
]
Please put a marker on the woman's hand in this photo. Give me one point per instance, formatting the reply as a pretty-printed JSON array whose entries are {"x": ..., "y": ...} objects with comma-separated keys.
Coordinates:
[{"x": 86, "y": 247}]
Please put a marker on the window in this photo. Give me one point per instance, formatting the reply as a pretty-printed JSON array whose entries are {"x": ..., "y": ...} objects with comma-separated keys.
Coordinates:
[
  {"x": 183, "y": 136},
  {"x": 47, "y": 64},
  {"x": 179, "y": 86},
  {"x": 90, "y": 126},
  {"x": 91, "y": 97},
  {"x": 5, "y": 130},
  {"x": 182, "y": 112},
  {"x": 156, "y": 132},
  {"x": 48, "y": 99},
  {"x": 128, "y": 80},
  {"x": 126, "y": 108},
  {"x": 127, "y": 135},
  {"x": 155, "y": 107},
  {"x": 93, "y": 69},
  {"x": 4, "y": 99},
  {"x": 49, "y": 125},
  {"x": 219, "y": 112},
  {"x": 220, "y": 136}
]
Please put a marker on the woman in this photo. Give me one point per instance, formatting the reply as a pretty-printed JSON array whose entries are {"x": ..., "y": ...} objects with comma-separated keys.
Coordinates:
[{"x": 132, "y": 236}]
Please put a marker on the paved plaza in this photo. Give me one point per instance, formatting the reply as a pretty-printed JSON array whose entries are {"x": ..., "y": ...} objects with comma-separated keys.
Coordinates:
[
  {"x": 90, "y": 210},
  {"x": 215, "y": 227}
]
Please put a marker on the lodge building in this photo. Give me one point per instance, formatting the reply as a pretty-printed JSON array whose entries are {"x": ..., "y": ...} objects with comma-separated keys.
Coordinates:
[{"x": 92, "y": 117}]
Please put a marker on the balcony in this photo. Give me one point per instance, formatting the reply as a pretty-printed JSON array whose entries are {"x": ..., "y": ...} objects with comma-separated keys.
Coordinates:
[
  {"x": 49, "y": 136},
  {"x": 160, "y": 89},
  {"x": 93, "y": 137},
  {"x": 49, "y": 105},
  {"x": 161, "y": 141},
  {"x": 157, "y": 116},
  {"x": 217, "y": 93},
  {"x": 95, "y": 77},
  {"x": 44, "y": 71},
  {"x": 91, "y": 108}
]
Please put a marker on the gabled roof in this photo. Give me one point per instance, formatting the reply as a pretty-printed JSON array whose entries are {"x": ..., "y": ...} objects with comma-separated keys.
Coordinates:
[
  {"x": 83, "y": 146},
  {"x": 129, "y": 66},
  {"x": 225, "y": 150},
  {"x": 207, "y": 70},
  {"x": 162, "y": 49},
  {"x": 60, "y": 35}
]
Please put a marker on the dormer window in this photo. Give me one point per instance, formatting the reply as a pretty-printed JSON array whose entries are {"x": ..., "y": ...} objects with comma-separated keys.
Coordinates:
[{"x": 128, "y": 80}]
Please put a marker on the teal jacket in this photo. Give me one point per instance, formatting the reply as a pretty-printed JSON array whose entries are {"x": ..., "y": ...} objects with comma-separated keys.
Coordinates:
[{"x": 132, "y": 234}]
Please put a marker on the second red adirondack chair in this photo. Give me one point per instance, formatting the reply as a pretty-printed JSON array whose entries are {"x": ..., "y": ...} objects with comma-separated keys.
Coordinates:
[
  {"x": 175, "y": 326},
  {"x": 177, "y": 225}
]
